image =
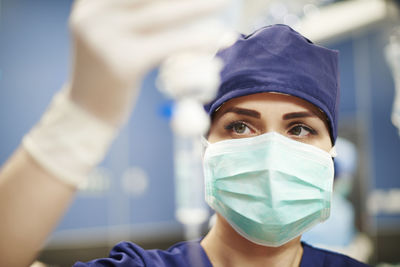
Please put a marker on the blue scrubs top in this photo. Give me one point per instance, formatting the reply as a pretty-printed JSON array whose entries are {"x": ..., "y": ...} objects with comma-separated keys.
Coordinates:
[{"x": 191, "y": 253}]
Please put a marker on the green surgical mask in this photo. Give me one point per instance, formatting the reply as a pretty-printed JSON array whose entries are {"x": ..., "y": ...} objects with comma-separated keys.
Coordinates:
[{"x": 270, "y": 188}]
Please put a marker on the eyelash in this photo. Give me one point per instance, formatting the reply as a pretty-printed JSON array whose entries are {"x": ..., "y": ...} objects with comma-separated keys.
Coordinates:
[
  {"x": 307, "y": 128},
  {"x": 230, "y": 127}
]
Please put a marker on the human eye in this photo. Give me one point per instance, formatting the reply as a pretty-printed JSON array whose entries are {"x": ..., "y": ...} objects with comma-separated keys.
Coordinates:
[
  {"x": 239, "y": 128},
  {"x": 301, "y": 131}
]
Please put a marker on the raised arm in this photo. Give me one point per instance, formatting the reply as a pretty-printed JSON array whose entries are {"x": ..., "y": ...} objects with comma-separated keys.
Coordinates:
[{"x": 115, "y": 43}]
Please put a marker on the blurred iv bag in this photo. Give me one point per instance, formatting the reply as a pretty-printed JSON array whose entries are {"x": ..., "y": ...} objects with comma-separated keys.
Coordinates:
[
  {"x": 191, "y": 78},
  {"x": 392, "y": 54}
]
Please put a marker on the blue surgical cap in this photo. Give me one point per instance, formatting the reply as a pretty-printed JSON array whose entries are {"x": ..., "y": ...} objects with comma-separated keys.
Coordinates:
[{"x": 278, "y": 59}]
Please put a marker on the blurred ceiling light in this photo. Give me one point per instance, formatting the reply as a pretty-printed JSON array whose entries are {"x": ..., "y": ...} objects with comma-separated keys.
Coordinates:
[
  {"x": 319, "y": 20},
  {"x": 342, "y": 18}
]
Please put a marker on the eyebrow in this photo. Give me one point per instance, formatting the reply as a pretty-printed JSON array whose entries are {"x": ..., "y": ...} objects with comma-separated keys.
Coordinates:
[
  {"x": 243, "y": 111},
  {"x": 296, "y": 115}
]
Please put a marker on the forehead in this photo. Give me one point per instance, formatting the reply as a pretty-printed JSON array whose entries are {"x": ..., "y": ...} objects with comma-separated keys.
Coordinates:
[{"x": 269, "y": 104}]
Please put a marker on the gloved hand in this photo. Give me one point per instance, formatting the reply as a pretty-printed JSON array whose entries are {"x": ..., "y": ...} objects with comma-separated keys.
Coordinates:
[{"x": 117, "y": 41}]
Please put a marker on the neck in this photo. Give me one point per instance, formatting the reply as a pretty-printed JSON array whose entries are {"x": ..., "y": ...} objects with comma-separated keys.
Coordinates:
[{"x": 225, "y": 247}]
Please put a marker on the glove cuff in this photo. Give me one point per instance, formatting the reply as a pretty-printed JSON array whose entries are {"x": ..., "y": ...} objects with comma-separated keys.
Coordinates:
[{"x": 69, "y": 141}]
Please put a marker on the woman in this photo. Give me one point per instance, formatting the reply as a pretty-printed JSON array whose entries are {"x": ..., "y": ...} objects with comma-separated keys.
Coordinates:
[
  {"x": 268, "y": 165},
  {"x": 268, "y": 159}
]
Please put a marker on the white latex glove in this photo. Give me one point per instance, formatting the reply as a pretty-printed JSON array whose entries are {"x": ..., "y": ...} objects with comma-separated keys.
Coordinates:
[{"x": 116, "y": 42}]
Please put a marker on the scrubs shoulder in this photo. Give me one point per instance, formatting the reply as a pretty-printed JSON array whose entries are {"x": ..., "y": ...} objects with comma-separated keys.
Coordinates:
[
  {"x": 313, "y": 256},
  {"x": 191, "y": 253},
  {"x": 129, "y": 254}
]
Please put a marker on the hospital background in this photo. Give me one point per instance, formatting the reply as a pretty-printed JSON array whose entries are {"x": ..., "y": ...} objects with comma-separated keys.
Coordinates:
[{"x": 130, "y": 196}]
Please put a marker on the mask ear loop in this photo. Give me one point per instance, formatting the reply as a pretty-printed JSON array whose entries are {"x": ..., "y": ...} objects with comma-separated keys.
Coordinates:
[
  {"x": 333, "y": 152},
  {"x": 204, "y": 142}
]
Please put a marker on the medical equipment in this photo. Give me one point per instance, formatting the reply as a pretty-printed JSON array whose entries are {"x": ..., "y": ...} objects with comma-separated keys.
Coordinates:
[
  {"x": 392, "y": 53},
  {"x": 191, "y": 79}
]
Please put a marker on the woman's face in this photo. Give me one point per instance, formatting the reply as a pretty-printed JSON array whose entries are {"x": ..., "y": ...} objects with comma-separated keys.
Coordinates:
[{"x": 261, "y": 113}]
